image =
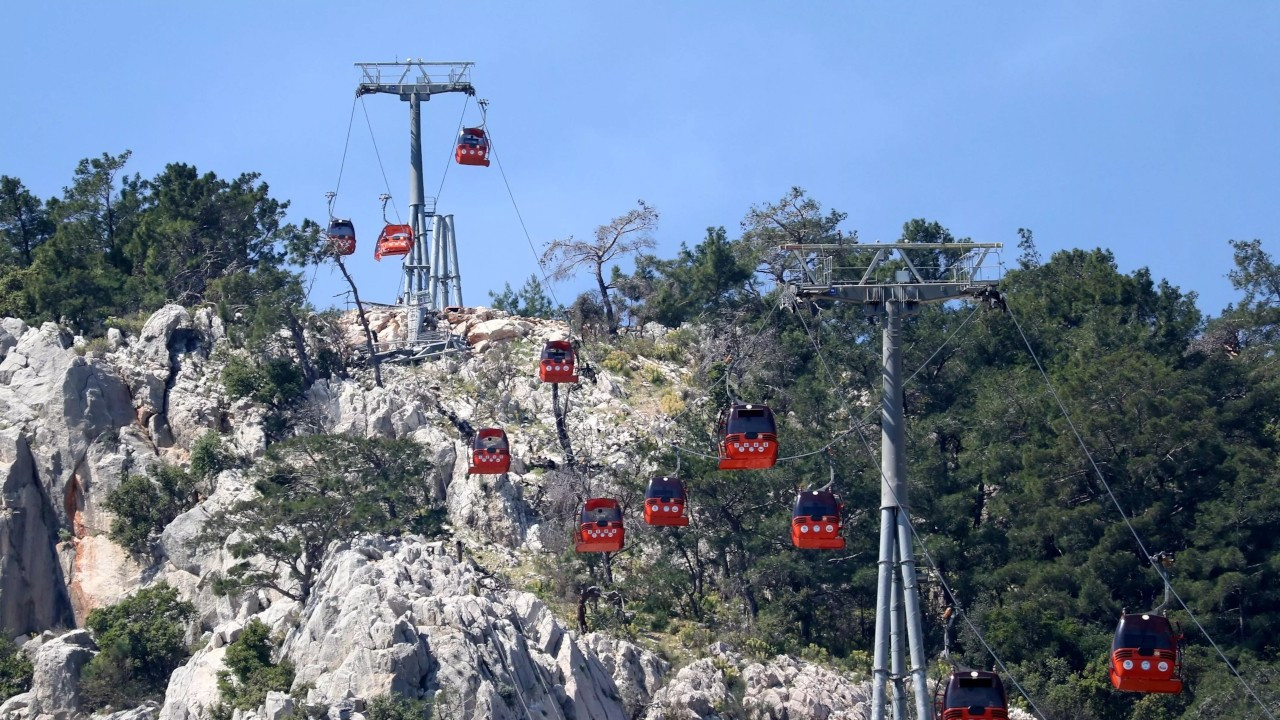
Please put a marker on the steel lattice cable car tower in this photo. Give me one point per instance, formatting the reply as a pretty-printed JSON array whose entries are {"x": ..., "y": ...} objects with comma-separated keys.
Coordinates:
[
  {"x": 432, "y": 279},
  {"x": 890, "y": 296}
]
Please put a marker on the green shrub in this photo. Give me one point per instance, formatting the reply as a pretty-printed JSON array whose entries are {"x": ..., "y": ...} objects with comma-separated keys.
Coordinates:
[
  {"x": 654, "y": 374},
  {"x": 397, "y": 707},
  {"x": 275, "y": 382},
  {"x": 209, "y": 457},
  {"x": 239, "y": 377},
  {"x": 94, "y": 345},
  {"x": 131, "y": 324},
  {"x": 144, "y": 504},
  {"x": 249, "y": 673},
  {"x": 282, "y": 382},
  {"x": 141, "y": 641},
  {"x": 15, "y": 669},
  {"x": 671, "y": 404},
  {"x": 618, "y": 361}
]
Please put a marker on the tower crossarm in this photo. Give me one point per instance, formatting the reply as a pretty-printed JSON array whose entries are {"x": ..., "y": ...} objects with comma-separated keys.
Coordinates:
[
  {"x": 874, "y": 273},
  {"x": 410, "y": 77}
]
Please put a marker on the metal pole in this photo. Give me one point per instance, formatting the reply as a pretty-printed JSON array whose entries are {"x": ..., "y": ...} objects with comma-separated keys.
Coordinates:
[
  {"x": 442, "y": 267},
  {"x": 884, "y": 577},
  {"x": 417, "y": 194},
  {"x": 455, "y": 272},
  {"x": 897, "y": 646},
  {"x": 915, "y": 624},
  {"x": 437, "y": 240},
  {"x": 895, "y": 508}
]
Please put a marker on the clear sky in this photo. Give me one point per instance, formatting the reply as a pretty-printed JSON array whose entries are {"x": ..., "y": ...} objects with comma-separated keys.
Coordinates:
[{"x": 1149, "y": 128}]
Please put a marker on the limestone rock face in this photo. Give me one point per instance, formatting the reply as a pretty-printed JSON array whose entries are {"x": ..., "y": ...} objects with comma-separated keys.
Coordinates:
[
  {"x": 33, "y": 595},
  {"x": 781, "y": 688},
  {"x": 498, "y": 329},
  {"x": 70, "y": 411},
  {"x": 173, "y": 395},
  {"x": 698, "y": 692},
  {"x": 385, "y": 614},
  {"x": 388, "y": 615},
  {"x": 10, "y": 330},
  {"x": 193, "y": 688},
  {"x": 55, "y": 684},
  {"x": 147, "y": 711},
  {"x": 786, "y": 687}
]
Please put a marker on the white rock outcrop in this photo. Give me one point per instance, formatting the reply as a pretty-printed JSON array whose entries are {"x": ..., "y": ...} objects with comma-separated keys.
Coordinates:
[
  {"x": 389, "y": 615},
  {"x": 385, "y": 614},
  {"x": 55, "y": 684}
]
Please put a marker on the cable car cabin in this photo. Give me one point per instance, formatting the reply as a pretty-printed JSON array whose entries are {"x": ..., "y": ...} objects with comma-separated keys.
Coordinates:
[
  {"x": 748, "y": 438},
  {"x": 664, "y": 503},
  {"x": 342, "y": 236},
  {"x": 473, "y": 147},
  {"x": 601, "y": 527},
  {"x": 394, "y": 240},
  {"x": 815, "y": 521},
  {"x": 971, "y": 694},
  {"x": 556, "y": 364},
  {"x": 1145, "y": 656},
  {"x": 490, "y": 453}
]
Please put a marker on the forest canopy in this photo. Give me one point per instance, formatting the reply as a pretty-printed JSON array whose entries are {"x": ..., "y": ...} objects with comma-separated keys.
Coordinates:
[{"x": 1180, "y": 415}]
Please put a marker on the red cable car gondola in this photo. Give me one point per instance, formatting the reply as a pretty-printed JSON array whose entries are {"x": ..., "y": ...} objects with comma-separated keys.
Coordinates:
[
  {"x": 971, "y": 694},
  {"x": 600, "y": 529},
  {"x": 665, "y": 502},
  {"x": 490, "y": 453},
  {"x": 394, "y": 240},
  {"x": 748, "y": 438},
  {"x": 473, "y": 147},
  {"x": 1145, "y": 655},
  {"x": 342, "y": 236},
  {"x": 557, "y": 362},
  {"x": 815, "y": 521}
]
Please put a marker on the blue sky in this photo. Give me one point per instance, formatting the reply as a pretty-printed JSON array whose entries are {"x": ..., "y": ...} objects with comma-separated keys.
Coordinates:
[{"x": 1151, "y": 129}]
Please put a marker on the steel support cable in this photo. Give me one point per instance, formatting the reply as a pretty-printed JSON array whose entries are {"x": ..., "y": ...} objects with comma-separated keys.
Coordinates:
[
  {"x": 379, "y": 156},
  {"x": 924, "y": 549},
  {"x": 345, "y": 145},
  {"x": 729, "y": 370},
  {"x": 541, "y": 269},
  {"x": 507, "y": 666},
  {"x": 564, "y": 312},
  {"x": 515, "y": 681},
  {"x": 448, "y": 163},
  {"x": 729, "y": 392},
  {"x": 528, "y": 238},
  {"x": 1125, "y": 516},
  {"x": 342, "y": 166},
  {"x": 867, "y": 418}
]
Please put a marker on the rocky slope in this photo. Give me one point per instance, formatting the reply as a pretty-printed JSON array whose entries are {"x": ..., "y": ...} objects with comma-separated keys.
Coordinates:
[{"x": 403, "y": 615}]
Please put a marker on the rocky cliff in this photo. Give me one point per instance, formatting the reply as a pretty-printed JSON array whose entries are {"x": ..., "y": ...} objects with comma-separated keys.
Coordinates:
[{"x": 418, "y": 618}]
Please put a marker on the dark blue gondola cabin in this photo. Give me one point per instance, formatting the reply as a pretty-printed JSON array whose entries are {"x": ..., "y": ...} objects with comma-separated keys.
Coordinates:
[
  {"x": 971, "y": 695},
  {"x": 665, "y": 503},
  {"x": 748, "y": 438},
  {"x": 600, "y": 528},
  {"x": 490, "y": 453},
  {"x": 815, "y": 521},
  {"x": 557, "y": 363},
  {"x": 1146, "y": 655},
  {"x": 473, "y": 147},
  {"x": 342, "y": 236}
]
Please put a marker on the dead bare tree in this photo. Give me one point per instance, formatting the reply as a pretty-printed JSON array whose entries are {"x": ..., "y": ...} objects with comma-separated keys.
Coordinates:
[
  {"x": 313, "y": 246},
  {"x": 364, "y": 322},
  {"x": 623, "y": 235}
]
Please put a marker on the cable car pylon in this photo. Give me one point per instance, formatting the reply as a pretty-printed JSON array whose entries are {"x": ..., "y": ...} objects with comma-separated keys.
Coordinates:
[
  {"x": 432, "y": 280},
  {"x": 889, "y": 297}
]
